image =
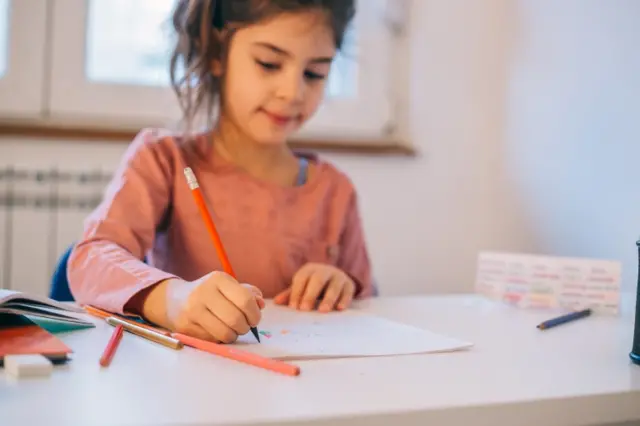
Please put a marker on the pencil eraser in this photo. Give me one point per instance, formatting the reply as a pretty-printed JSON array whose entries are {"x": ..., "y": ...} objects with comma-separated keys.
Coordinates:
[{"x": 27, "y": 366}]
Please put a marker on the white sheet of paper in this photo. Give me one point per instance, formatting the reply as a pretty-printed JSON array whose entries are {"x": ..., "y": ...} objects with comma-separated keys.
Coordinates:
[{"x": 288, "y": 334}]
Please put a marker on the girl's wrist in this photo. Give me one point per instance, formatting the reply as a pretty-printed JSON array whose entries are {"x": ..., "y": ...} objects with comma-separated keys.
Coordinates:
[{"x": 158, "y": 303}]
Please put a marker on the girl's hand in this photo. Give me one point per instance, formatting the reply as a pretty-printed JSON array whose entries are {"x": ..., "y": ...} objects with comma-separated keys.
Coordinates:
[
  {"x": 215, "y": 307},
  {"x": 314, "y": 280}
]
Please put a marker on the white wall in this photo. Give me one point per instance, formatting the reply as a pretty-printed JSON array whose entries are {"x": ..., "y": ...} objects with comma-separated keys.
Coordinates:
[
  {"x": 429, "y": 216},
  {"x": 512, "y": 103},
  {"x": 573, "y": 127}
]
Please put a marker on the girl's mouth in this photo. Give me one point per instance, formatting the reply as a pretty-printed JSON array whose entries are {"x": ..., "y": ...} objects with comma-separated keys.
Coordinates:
[{"x": 278, "y": 119}]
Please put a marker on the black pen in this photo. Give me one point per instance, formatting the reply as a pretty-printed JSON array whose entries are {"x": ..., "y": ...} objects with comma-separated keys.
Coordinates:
[{"x": 564, "y": 319}]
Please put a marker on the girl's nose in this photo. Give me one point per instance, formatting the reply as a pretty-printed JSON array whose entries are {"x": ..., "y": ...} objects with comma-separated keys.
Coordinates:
[{"x": 291, "y": 88}]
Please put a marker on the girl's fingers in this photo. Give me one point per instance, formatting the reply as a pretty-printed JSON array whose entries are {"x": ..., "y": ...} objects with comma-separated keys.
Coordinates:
[
  {"x": 229, "y": 314},
  {"x": 244, "y": 299},
  {"x": 217, "y": 329},
  {"x": 256, "y": 291},
  {"x": 299, "y": 285},
  {"x": 347, "y": 296},
  {"x": 195, "y": 330},
  {"x": 282, "y": 298},
  {"x": 314, "y": 287},
  {"x": 332, "y": 293}
]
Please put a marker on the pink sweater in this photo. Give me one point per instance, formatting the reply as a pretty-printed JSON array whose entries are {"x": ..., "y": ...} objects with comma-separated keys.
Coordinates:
[{"x": 268, "y": 231}]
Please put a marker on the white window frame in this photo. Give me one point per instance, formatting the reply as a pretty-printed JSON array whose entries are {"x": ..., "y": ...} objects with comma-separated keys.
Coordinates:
[
  {"x": 22, "y": 87},
  {"x": 73, "y": 98}
]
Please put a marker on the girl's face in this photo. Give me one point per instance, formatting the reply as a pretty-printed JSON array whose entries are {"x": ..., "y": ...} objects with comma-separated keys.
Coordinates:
[{"x": 276, "y": 75}]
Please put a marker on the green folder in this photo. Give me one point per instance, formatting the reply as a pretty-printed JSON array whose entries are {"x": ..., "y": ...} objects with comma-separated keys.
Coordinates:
[{"x": 54, "y": 326}]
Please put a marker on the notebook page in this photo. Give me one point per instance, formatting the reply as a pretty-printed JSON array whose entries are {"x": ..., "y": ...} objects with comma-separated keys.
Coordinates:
[
  {"x": 7, "y": 296},
  {"x": 287, "y": 334}
]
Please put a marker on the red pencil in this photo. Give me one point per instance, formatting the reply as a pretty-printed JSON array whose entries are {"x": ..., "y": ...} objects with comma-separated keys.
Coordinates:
[
  {"x": 112, "y": 346},
  {"x": 211, "y": 227},
  {"x": 230, "y": 352}
]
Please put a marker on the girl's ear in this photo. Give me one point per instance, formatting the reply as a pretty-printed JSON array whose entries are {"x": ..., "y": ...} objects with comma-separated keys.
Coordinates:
[
  {"x": 216, "y": 68},
  {"x": 218, "y": 37}
]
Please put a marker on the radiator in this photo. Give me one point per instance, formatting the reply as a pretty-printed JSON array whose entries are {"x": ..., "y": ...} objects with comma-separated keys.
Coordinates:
[{"x": 41, "y": 215}]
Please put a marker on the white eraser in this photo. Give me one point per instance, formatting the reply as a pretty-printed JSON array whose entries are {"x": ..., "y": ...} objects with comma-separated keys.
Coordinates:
[{"x": 27, "y": 365}]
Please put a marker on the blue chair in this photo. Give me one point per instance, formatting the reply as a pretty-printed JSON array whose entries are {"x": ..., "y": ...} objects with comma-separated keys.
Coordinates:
[{"x": 59, "y": 289}]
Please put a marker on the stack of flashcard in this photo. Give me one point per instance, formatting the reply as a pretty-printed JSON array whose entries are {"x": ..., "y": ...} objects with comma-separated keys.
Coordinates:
[{"x": 533, "y": 281}]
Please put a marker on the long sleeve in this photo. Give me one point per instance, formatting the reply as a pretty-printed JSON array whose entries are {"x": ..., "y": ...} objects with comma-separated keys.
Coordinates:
[
  {"x": 354, "y": 257},
  {"x": 106, "y": 267}
]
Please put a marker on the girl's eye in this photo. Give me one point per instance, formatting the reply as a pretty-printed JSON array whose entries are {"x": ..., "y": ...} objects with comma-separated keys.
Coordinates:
[
  {"x": 269, "y": 66},
  {"x": 314, "y": 76},
  {"x": 309, "y": 75}
]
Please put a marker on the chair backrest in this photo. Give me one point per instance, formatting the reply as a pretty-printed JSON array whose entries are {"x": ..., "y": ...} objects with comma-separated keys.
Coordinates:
[{"x": 59, "y": 289}]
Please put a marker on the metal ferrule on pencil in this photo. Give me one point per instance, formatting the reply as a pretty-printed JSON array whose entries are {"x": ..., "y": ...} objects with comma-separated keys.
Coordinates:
[
  {"x": 156, "y": 337},
  {"x": 191, "y": 178}
]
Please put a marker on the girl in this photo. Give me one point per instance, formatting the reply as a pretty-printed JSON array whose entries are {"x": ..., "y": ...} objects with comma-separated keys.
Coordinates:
[{"x": 289, "y": 223}]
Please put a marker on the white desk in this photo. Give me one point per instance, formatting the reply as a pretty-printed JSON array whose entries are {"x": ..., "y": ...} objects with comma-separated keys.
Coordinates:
[{"x": 577, "y": 374}]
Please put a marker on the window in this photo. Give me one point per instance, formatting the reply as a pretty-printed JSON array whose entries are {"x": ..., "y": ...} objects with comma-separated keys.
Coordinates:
[
  {"x": 105, "y": 63},
  {"x": 4, "y": 35},
  {"x": 23, "y": 34},
  {"x": 128, "y": 42}
]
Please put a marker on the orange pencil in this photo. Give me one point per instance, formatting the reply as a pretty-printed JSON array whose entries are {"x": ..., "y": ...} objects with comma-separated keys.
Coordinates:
[
  {"x": 208, "y": 221},
  {"x": 112, "y": 346},
  {"x": 99, "y": 313},
  {"x": 230, "y": 352},
  {"x": 211, "y": 227}
]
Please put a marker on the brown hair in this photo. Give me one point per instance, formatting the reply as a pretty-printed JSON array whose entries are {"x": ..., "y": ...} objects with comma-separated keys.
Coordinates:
[{"x": 197, "y": 44}]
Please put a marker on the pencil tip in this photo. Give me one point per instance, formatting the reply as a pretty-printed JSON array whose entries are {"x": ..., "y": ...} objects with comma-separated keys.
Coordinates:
[{"x": 254, "y": 330}]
